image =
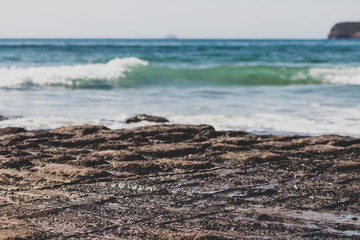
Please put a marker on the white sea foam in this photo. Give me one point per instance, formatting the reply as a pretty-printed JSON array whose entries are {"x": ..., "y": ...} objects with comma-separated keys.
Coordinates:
[
  {"x": 276, "y": 123},
  {"x": 340, "y": 75},
  {"x": 116, "y": 68},
  {"x": 263, "y": 123},
  {"x": 50, "y": 122}
]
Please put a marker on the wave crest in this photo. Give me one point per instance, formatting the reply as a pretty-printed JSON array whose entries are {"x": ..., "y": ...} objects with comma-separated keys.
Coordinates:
[
  {"x": 344, "y": 75},
  {"x": 133, "y": 71},
  {"x": 67, "y": 75}
]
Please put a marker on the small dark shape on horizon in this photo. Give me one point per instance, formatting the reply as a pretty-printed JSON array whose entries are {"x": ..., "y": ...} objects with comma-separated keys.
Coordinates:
[
  {"x": 171, "y": 37},
  {"x": 345, "y": 30},
  {"x": 2, "y": 118},
  {"x": 144, "y": 117}
]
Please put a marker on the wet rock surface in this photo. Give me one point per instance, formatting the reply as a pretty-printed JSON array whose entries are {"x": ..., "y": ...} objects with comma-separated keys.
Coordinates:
[
  {"x": 176, "y": 182},
  {"x": 144, "y": 117}
]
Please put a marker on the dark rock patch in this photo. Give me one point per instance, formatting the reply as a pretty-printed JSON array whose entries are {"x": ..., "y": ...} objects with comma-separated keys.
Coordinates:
[
  {"x": 16, "y": 163},
  {"x": 10, "y": 130},
  {"x": 144, "y": 117}
]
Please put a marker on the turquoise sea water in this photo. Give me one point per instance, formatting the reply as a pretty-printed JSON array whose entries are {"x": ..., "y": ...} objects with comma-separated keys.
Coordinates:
[{"x": 264, "y": 86}]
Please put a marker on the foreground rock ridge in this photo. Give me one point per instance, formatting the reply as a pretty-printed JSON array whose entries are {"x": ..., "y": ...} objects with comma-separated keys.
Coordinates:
[
  {"x": 176, "y": 182},
  {"x": 345, "y": 30}
]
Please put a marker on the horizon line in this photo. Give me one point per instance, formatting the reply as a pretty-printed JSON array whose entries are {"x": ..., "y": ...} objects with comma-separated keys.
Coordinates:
[{"x": 155, "y": 38}]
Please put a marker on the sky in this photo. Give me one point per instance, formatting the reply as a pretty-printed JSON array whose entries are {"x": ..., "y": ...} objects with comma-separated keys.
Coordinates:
[{"x": 310, "y": 19}]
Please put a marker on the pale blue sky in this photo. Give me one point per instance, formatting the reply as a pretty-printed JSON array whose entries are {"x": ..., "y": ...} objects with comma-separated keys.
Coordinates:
[{"x": 185, "y": 18}]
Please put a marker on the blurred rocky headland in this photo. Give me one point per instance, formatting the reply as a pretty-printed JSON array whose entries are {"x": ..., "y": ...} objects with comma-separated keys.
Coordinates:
[{"x": 345, "y": 30}]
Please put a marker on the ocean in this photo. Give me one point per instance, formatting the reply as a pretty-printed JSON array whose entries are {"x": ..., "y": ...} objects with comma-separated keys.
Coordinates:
[{"x": 305, "y": 87}]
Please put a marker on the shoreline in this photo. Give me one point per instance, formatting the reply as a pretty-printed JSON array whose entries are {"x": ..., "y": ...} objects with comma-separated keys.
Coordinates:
[
  {"x": 176, "y": 182},
  {"x": 122, "y": 124}
]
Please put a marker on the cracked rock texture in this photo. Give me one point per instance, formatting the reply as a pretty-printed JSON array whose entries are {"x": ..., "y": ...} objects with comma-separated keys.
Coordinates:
[{"x": 176, "y": 182}]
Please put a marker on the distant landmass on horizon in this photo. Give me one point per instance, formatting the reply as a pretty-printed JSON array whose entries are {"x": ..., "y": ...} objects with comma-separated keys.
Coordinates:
[{"x": 345, "y": 30}]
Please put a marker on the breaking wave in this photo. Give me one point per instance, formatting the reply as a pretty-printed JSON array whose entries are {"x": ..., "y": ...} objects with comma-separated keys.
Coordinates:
[
  {"x": 74, "y": 76},
  {"x": 134, "y": 72}
]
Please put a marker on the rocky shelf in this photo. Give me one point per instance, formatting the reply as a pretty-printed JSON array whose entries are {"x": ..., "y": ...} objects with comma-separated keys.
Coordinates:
[{"x": 176, "y": 182}]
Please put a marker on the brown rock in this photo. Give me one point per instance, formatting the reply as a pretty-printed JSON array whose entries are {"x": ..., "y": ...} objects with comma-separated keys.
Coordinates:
[
  {"x": 79, "y": 130},
  {"x": 10, "y": 130},
  {"x": 176, "y": 182}
]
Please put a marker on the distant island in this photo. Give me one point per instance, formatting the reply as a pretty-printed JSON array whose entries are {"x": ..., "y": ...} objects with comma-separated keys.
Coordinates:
[
  {"x": 171, "y": 36},
  {"x": 345, "y": 30}
]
